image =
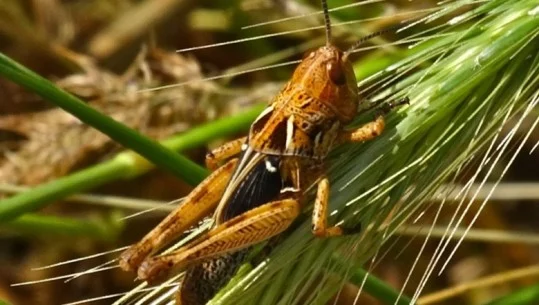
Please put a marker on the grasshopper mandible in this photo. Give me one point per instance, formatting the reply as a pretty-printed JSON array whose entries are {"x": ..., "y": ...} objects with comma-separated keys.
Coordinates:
[{"x": 258, "y": 192}]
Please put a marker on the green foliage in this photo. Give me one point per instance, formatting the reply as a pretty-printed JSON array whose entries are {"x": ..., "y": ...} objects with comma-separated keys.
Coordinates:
[
  {"x": 463, "y": 87},
  {"x": 158, "y": 154},
  {"x": 525, "y": 296}
]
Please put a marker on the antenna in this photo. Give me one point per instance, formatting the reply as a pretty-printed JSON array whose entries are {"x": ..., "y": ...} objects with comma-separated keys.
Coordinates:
[
  {"x": 327, "y": 21},
  {"x": 363, "y": 39}
]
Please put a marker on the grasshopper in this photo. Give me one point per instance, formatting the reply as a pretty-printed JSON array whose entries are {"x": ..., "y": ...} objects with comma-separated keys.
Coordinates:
[{"x": 259, "y": 190}]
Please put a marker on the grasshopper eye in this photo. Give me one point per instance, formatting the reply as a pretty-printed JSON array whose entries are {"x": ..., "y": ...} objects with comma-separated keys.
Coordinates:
[{"x": 336, "y": 73}]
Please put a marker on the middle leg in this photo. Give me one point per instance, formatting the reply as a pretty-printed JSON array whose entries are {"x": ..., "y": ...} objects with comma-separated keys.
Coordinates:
[{"x": 320, "y": 217}]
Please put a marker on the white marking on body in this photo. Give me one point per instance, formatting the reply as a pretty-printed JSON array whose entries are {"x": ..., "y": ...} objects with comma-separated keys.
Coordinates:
[
  {"x": 289, "y": 131},
  {"x": 244, "y": 146},
  {"x": 247, "y": 162},
  {"x": 317, "y": 139},
  {"x": 289, "y": 189},
  {"x": 270, "y": 167},
  {"x": 264, "y": 113}
]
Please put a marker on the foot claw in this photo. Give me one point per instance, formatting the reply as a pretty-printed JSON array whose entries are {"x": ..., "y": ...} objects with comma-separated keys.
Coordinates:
[{"x": 387, "y": 107}]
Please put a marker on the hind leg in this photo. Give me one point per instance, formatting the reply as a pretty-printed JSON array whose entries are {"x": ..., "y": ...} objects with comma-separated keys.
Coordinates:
[
  {"x": 319, "y": 218},
  {"x": 249, "y": 228},
  {"x": 198, "y": 204}
]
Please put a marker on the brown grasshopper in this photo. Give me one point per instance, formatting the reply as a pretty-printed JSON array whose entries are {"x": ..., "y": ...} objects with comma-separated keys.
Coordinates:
[{"x": 258, "y": 192}]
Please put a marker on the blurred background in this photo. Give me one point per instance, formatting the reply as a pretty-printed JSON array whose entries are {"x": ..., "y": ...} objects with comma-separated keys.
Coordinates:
[{"x": 106, "y": 51}]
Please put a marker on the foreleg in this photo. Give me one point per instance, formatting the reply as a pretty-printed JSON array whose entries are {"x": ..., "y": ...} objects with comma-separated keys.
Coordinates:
[{"x": 223, "y": 152}]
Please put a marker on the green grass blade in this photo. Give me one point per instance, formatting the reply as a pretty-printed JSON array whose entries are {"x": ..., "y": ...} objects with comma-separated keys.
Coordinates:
[
  {"x": 124, "y": 166},
  {"x": 162, "y": 157},
  {"x": 525, "y": 296},
  {"x": 41, "y": 195},
  {"x": 373, "y": 285},
  {"x": 33, "y": 225}
]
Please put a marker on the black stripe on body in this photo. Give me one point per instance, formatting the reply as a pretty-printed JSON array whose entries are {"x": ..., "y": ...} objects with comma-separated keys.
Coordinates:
[{"x": 260, "y": 185}]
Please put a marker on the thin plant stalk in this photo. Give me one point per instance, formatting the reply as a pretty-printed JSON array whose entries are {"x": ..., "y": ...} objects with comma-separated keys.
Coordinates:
[
  {"x": 159, "y": 155},
  {"x": 125, "y": 165},
  {"x": 44, "y": 225},
  {"x": 524, "y": 296}
]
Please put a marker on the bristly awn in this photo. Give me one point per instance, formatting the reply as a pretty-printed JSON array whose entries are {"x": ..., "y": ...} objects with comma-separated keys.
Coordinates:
[{"x": 259, "y": 190}]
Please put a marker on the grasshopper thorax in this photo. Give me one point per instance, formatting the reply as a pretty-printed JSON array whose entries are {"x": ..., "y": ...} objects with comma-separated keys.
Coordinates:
[{"x": 306, "y": 116}]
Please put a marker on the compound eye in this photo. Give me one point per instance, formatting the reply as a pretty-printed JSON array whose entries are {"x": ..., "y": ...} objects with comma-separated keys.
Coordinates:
[{"x": 336, "y": 73}]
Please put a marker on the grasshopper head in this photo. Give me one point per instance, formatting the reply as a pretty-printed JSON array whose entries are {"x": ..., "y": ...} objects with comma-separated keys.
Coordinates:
[{"x": 327, "y": 75}]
